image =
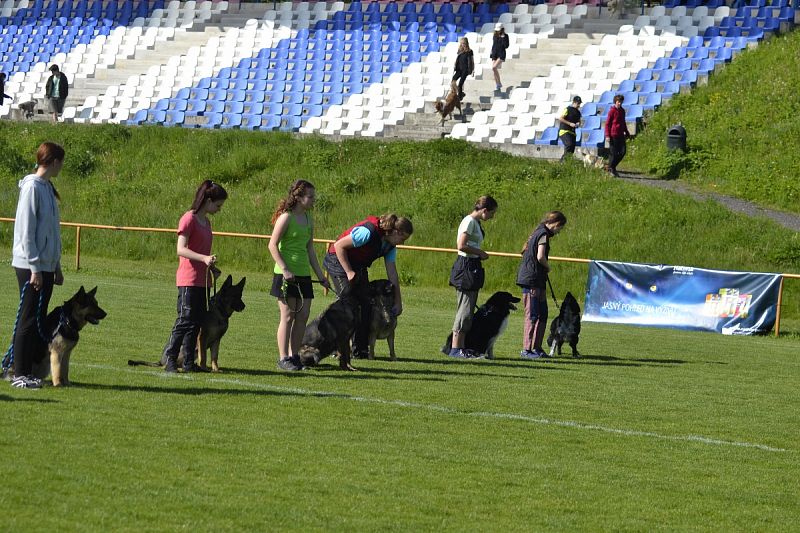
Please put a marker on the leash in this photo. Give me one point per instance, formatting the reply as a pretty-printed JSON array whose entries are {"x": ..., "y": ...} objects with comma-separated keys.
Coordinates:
[
  {"x": 552, "y": 293},
  {"x": 209, "y": 270},
  {"x": 285, "y": 293},
  {"x": 8, "y": 358}
]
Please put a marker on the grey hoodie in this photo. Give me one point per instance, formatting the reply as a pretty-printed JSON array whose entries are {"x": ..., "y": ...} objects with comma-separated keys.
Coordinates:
[{"x": 37, "y": 234}]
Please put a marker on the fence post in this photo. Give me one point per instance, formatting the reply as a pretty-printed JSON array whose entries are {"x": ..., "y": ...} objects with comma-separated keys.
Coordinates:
[
  {"x": 78, "y": 248},
  {"x": 778, "y": 309}
]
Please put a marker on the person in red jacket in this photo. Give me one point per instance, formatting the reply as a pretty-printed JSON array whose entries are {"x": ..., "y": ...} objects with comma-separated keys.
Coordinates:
[
  {"x": 353, "y": 253},
  {"x": 616, "y": 133}
]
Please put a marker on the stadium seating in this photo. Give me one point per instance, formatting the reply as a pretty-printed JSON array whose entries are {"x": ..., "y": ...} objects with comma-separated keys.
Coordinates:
[{"x": 360, "y": 67}]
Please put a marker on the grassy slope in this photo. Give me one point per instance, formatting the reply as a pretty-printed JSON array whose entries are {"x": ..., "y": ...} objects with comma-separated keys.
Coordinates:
[
  {"x": 424, "y": 443},
  {"x": 742, "y": 129},
  {"x": 146, "y": 176}
]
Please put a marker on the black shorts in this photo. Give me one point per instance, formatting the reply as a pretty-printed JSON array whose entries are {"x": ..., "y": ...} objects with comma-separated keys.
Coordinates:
[{"x": 299, "y": 286}]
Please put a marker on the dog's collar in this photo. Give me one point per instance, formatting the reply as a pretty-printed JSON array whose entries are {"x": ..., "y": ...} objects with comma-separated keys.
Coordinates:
[{"x": 66, "y": 328}]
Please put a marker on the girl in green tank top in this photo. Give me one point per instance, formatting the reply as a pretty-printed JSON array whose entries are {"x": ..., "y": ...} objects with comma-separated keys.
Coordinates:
[{"x": 291, "y": 246}]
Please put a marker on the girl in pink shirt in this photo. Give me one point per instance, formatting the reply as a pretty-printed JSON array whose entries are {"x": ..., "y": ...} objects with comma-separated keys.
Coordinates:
[{"x": 195, "y": 268}]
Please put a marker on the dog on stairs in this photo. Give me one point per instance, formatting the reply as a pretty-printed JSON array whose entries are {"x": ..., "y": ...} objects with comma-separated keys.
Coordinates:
[
  {"x": 452, "y": 101},
  {"x": 566, "y": 327},
  {"x": 64, "y": 323}
]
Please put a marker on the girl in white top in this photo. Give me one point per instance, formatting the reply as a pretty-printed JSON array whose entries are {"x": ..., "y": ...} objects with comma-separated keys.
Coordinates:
[{"x": 467, "y": 274}]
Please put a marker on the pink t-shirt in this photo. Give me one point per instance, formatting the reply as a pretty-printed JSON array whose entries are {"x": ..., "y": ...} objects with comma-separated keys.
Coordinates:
[{"x": 193, "y": 273}]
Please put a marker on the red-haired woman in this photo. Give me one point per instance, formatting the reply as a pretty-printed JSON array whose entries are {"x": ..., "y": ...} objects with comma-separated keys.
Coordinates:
[
  {"x": 193, "y": 277},
  {"x": 36, "y": 258},
  {"x": 292, "y": 247}
]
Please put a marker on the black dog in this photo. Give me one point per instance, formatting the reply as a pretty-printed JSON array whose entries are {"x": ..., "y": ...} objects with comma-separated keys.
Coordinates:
[
  {"x": 331, "y": 332},
  {"x": 65, "y": 323},
  {"x": 384, "y": 321},
  {"x": 488, "y": 322},
  {"x": 566, "y": 326}
]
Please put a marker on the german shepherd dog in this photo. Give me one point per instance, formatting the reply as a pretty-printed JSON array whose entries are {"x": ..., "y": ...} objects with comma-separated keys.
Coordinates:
[
  {"x": 566, "y": 327},
  {"x": 331, "y": 332},
  {"x": 383, "y": 321},
  {"x": 221, "y": 306},
  {"x": 65, "y": 323},
  {"x": 488, "y": 323},
  {"x": 452, "y": 101}
]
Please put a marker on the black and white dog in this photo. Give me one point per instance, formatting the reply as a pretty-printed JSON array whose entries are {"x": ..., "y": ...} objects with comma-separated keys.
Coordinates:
[
  {"x": 488, "y": 323},
  {"x": 566, "y": 326}
]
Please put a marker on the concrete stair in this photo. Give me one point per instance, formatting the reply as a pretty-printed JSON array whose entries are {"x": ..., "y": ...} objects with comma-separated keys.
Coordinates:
[{"x": 516, "y": 72}]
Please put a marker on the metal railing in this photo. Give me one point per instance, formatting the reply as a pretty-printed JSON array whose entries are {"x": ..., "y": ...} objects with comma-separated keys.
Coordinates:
[{"x": 79, "y": 226}]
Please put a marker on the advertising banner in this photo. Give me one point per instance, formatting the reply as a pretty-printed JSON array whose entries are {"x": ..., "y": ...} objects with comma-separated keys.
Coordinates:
[{"x": 731, "y": 303}]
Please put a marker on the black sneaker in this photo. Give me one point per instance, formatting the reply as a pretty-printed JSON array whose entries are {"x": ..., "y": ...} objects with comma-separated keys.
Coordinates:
[
  {"x": 26, "y": 382},
  {"x": 171, "y": 366},
  {"x": 194, "y": 368},
  {"x": 288, "y": 365},
  {"x": 296, "y": 360}
]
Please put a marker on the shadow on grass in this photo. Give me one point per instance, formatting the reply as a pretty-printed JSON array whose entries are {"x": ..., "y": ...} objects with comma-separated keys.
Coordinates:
[
  {"x": 190, "y": 391},
  {"x": 6, "y": 398},
  {"x": 466, "y": 363},
  {"x": 610, "y": 360},
  {"x": 324, "y": 370}
]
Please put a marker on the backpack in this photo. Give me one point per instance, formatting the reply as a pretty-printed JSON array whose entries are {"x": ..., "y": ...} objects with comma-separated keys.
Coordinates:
[{"x": 470, "y": 65}]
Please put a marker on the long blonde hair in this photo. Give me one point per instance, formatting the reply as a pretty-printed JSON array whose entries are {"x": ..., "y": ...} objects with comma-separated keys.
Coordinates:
[{"x": 463, "y": 45}]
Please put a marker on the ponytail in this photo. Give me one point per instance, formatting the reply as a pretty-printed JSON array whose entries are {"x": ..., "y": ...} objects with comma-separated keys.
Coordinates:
[
  {"x": 208, "y": 190},
  {"x": 391, "y": 222},
  {"x": 553, "y": 217},
  {"x": 485, "y": 202},
  {"x": 296, "y": 191}
]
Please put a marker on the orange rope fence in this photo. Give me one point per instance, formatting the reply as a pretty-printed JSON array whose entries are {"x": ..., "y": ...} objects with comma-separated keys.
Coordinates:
[{"x": 79, "y": 226}]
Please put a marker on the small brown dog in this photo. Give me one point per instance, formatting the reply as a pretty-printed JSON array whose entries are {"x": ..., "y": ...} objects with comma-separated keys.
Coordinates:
[{"x": 452, "y": 101}]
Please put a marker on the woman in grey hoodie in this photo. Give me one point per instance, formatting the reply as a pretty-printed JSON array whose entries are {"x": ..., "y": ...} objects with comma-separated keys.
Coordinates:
[{"x": 36, "y": 259}]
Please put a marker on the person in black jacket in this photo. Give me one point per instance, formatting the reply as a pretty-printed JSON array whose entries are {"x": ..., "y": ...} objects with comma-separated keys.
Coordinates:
[
  {"x": 3, "y": 94},
  {"x": 465, "y": 65},
  {"x": 498, "y": 54},
  {"x": 532, "y": 277},
  {"x": 55, "y": 92},
  {"x": 568, "y": 121}
]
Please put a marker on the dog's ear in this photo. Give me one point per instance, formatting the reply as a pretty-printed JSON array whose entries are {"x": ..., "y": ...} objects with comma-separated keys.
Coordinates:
[
  {"x": 228, "y": 281},
  {"x": 92, "y": 292},
  {"x": 241, "y": 283},
  {"x": 81, "y": 292}
]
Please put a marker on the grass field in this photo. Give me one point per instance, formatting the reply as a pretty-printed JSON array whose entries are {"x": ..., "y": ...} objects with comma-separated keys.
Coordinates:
[{"x": 652, "y": 429}]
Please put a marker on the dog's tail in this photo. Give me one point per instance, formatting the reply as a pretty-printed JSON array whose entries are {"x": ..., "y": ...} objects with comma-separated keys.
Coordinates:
[{"x": 131, "y": 362}]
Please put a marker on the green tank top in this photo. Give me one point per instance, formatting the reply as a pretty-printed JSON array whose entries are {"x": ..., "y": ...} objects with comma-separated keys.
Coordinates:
[{"x": 293, "y": 247}]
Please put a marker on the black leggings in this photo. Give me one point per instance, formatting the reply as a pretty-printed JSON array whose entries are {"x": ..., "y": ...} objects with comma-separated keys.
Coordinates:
[
  {"x": 618, "y": 150},
  {"x": 29, "y": 346},
  {"x": 340, "y": 285}
]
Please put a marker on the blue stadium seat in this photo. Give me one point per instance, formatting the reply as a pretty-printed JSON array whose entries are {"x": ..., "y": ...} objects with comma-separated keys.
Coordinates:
[
  {"x": 549, "y": 136},
  {"x": 213, "y": 120},
  {"x": 270, "y": 122},
  {"x": 291, "y": 123},
  {"x": 251, "y": 121},
  {"x": 231, "y": 120},
  {"x": 235, "y": 95},
  {"x": 217, "y": 94},
  {"x": 592, "y": 138},
  {"x": 138, "y": 118},
  {"x": 252, "y": 108},
  {"x": 195, "y": 106},
  {"x": 589, "y": 109},
  {"x": 215, "y": 107},
  {"x": 234, "y": 107},
  {"x": 174, "y": 118},
  {"x": 273, "y": 96}
]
